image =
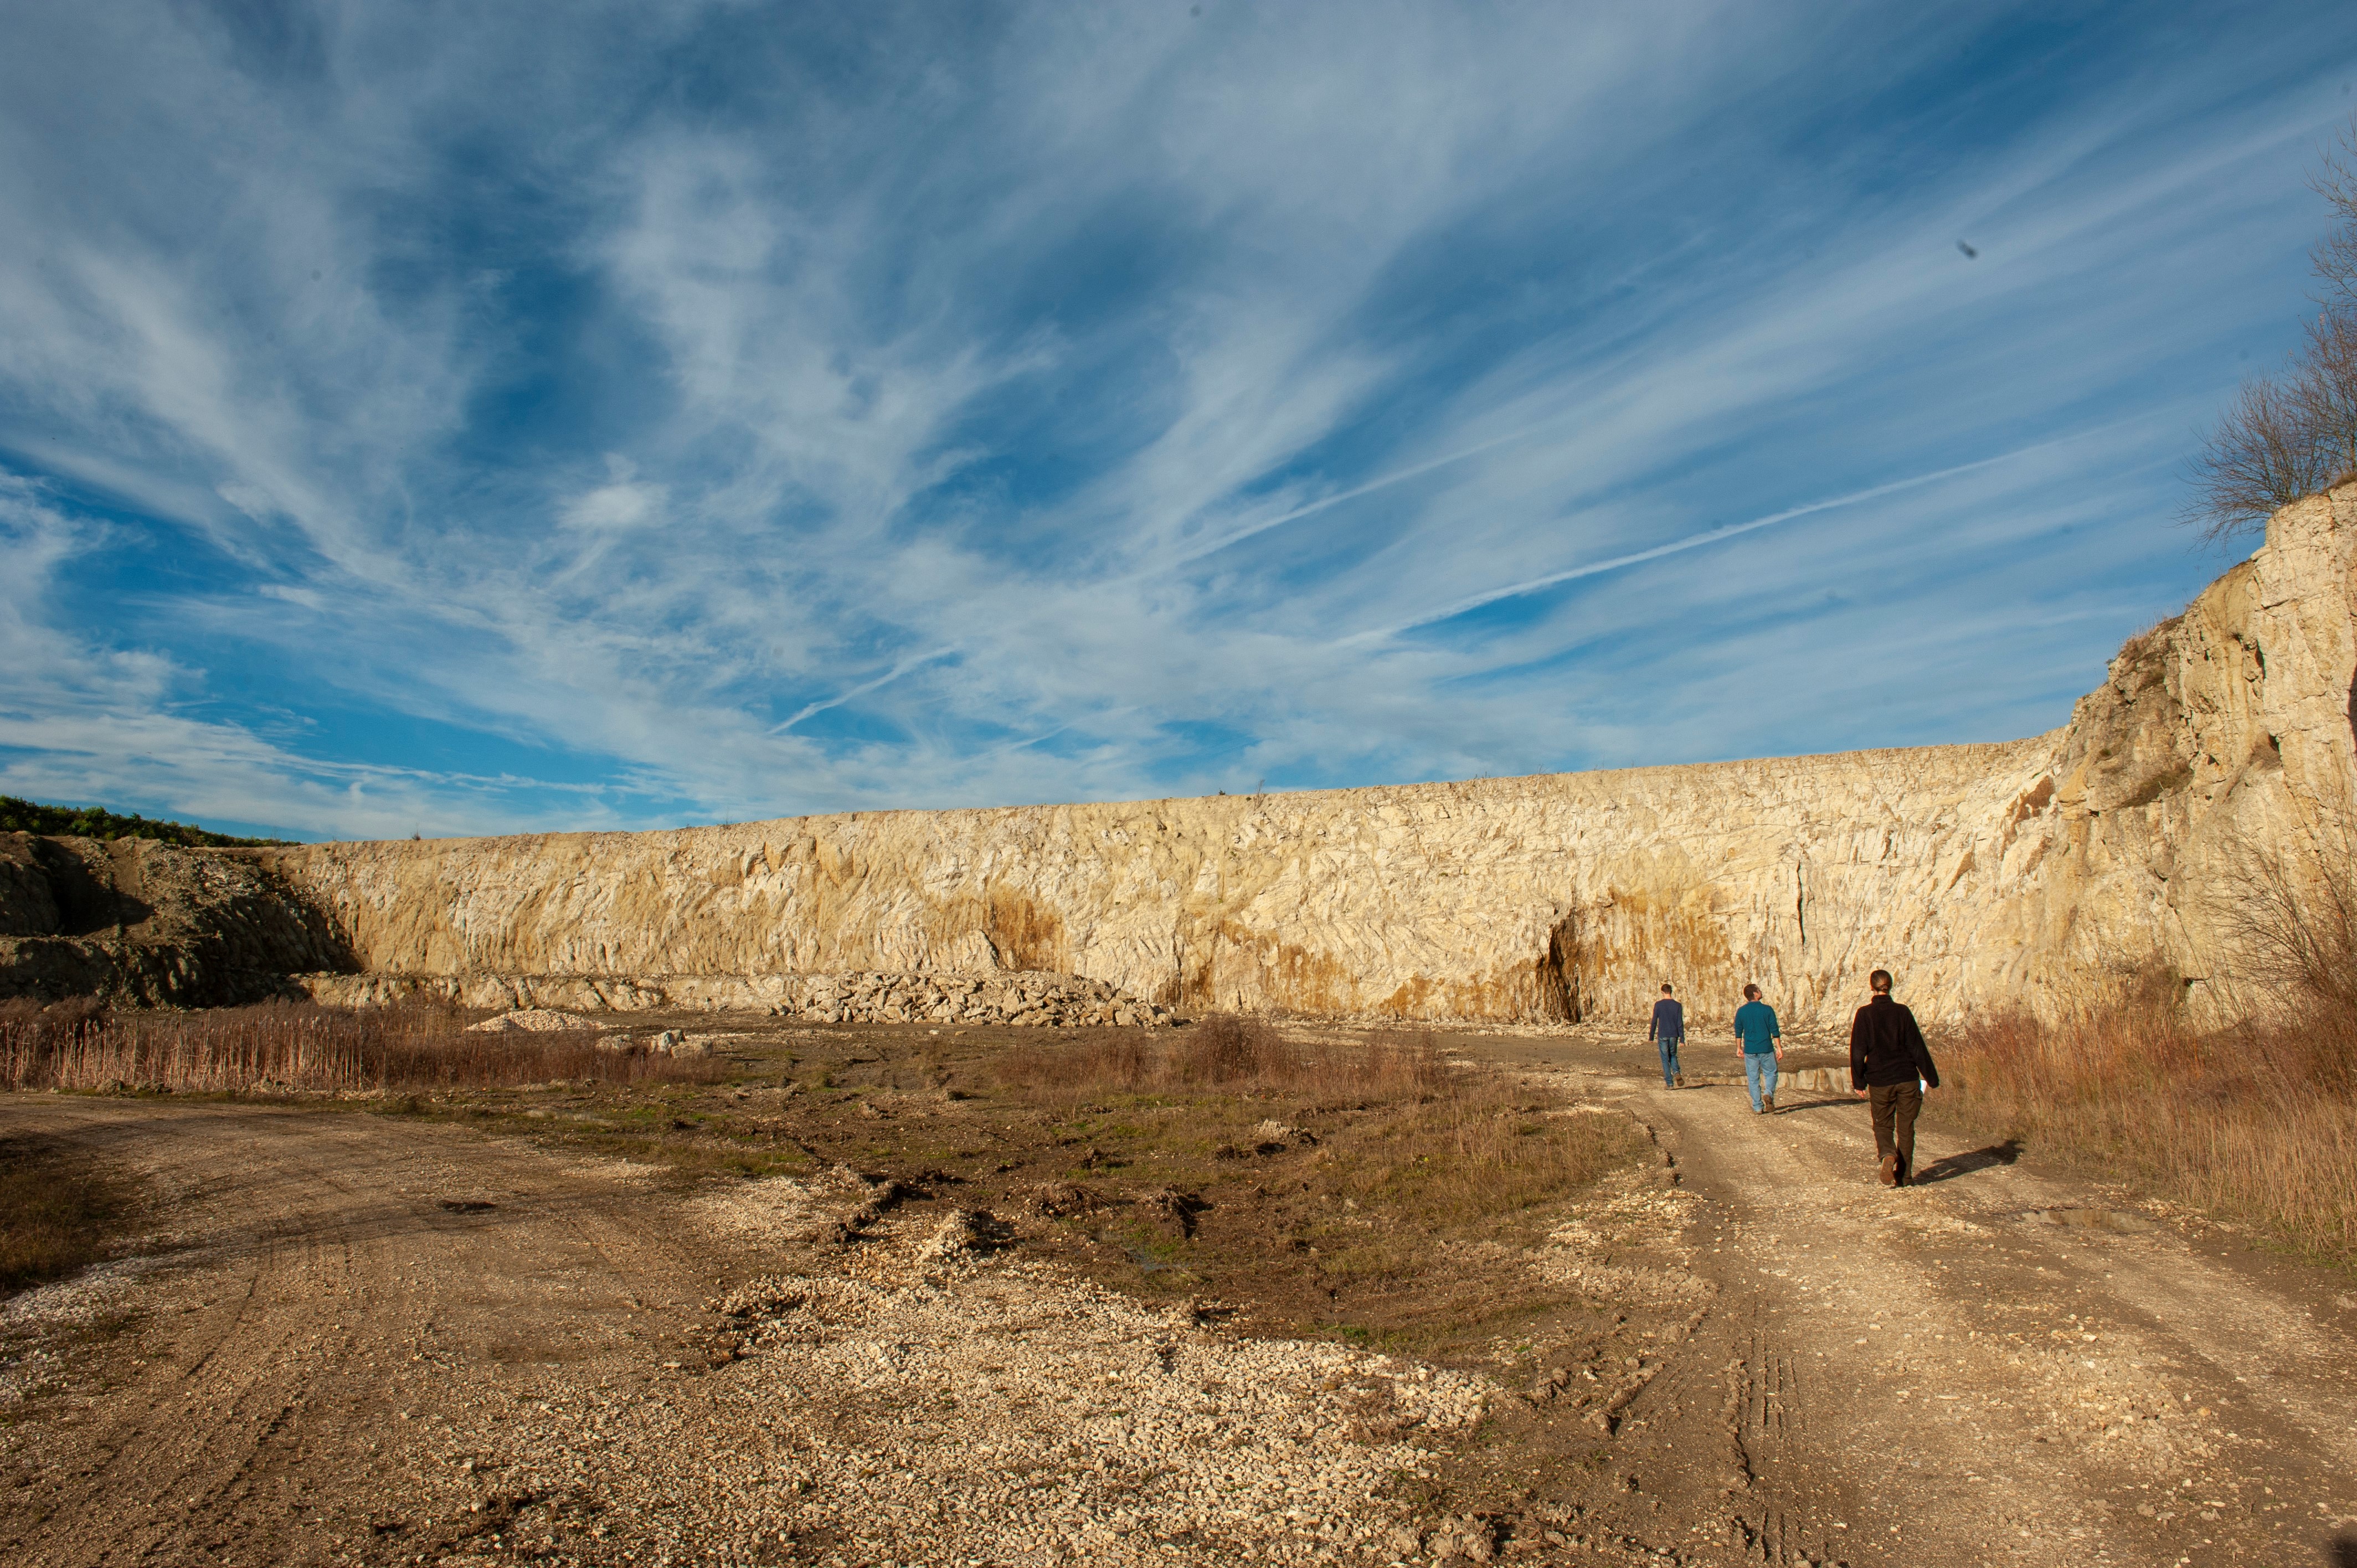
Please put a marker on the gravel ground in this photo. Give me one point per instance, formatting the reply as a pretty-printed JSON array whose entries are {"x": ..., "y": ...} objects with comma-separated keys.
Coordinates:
[{"x": 939, "y": 1400}]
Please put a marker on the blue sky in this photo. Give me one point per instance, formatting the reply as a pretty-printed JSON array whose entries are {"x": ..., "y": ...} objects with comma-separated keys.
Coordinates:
[{"x": 479, "y": 418}]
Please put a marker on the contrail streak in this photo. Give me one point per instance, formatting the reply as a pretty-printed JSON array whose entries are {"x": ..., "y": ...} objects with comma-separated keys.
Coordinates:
[
  {"x": 1399, "y": 477},
  {"x": 865, "y": 687},
  {"x": 1696, "y": 541}
]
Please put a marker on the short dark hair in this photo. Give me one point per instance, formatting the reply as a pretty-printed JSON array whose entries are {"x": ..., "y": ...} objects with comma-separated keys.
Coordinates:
[
  {"x": 1879, "y": 980},
  {"x": 1752, "y": 992},
  {"x": 1665, "y": 988}
]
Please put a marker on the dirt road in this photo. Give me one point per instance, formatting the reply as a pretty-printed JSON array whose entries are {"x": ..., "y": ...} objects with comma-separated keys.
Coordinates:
[
  {"x": 1991, "y": 1366},
  {"x": 357, "y": 1338}
]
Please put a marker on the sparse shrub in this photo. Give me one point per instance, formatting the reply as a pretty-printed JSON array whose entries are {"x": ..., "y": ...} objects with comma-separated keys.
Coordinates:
[
  {"x": 2261, "y": 455},
  {"x": 97, "y": 822},
  {"x": 2256, "y": 1118},
  {"x": 1227, "y": 1052},
  {"x": 1224, "y": 1048},
  {"x": 2287, "y": 918}
]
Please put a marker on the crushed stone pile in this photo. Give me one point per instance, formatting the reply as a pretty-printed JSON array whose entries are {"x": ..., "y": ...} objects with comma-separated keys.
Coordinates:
[
  {"x": 534, "y": 1020},
  {"x": 943, "y": 1401},
  {"x": 1028, "y": 997}
]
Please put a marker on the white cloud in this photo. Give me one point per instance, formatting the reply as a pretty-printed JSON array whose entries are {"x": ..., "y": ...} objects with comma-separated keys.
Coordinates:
[{"x": 1084, "y": 404}]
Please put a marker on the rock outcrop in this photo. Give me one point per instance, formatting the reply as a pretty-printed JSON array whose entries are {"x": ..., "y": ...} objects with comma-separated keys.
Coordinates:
[
  {"x": 152, "y": 924},
  {"x": 2009, "y": 873},
  {"x": 1021, "y": 998}
]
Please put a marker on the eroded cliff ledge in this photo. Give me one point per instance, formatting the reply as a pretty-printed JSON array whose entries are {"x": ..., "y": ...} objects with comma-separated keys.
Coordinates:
[{"x": 1985, "y": 873}]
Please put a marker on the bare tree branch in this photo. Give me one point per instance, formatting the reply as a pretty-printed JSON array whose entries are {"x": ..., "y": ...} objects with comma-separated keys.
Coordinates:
[
  {"x": 2326, "y": 387},
  {"x": 2289, "y": 918},
  {"x": 2280, "y": 440},
  {"x": 2262, "y": 456},
  {"x": 2335, "y": 255}
]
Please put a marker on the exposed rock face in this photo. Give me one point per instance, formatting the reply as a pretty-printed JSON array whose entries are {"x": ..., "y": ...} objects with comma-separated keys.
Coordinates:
[
  {"x": 1981, "y": 873},
  {"x": 151, "y": 923}
]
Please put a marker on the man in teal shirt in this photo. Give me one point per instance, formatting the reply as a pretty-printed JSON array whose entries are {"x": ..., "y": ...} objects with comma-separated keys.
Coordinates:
[{"x": 1756, "y": 1028}]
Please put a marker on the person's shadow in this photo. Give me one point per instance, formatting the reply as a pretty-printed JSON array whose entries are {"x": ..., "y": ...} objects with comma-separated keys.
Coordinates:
[
  {"x": 2344, "y": 1551},
  {"x": 1955, "y": 1166}
]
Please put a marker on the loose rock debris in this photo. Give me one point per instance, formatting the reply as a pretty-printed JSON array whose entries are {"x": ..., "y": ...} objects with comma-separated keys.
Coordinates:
[
  {"x": 534, "y": 1020},
  {"x": 953, "y": 1406},
  {"x": 1024, "y": 998}
]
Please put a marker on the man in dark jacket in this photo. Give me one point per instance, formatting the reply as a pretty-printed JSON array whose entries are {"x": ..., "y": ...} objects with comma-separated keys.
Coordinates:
[
  {"x": 1667, "y": 1029},
  {"x": 1891, "y": 1066}
]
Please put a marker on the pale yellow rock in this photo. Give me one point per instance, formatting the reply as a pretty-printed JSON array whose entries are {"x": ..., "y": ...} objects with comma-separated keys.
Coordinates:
[
  {"x": 1983, "y": 875},
  {"x": 532, "y": 1021}
]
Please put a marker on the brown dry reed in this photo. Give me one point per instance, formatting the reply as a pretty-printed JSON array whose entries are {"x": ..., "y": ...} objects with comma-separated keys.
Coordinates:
[
  {"x": 2254, "y": 1121},
  {"x": 296, "y": 1048}
]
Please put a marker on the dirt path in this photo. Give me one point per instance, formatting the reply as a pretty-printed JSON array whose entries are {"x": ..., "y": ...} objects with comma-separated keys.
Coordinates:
[
  {"x": 369, "y": 1340},
  {"x": 1943, "y": 1373}
]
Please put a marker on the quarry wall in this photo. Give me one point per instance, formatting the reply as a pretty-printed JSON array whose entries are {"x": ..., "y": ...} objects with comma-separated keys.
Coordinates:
[{"x": 2015, "y": 872}]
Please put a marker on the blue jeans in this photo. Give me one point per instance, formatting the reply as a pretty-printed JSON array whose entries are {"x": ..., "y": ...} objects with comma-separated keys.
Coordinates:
[
  {"x": 1759, "y": 1075},
  {"x": 1669, "y": 1063}
]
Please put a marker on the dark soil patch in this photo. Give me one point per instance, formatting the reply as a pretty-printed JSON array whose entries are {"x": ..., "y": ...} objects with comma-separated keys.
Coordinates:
[{"x": 56, "y": 1213}]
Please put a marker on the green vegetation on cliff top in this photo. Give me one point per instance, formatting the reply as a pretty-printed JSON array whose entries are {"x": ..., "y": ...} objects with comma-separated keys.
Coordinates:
[{"x": 96, "y": 822}]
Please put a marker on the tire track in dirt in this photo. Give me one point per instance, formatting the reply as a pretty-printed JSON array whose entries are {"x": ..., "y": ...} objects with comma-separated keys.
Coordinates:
[
  {"x": 254, "y": 1410},
  {"x": 1926, "y": 1375},
  {"x": 361, "y": 1375}
]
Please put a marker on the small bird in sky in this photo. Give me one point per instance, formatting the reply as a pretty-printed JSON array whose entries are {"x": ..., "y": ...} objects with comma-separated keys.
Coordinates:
[{"x": 1969, "y": 250}]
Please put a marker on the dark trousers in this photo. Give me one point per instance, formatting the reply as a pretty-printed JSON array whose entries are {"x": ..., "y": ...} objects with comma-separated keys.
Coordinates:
[{"x": 1896, "y": 1106}]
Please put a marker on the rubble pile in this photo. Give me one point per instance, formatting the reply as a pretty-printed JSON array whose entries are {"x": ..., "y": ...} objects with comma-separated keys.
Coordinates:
[{"x": 1030, "y": 997}]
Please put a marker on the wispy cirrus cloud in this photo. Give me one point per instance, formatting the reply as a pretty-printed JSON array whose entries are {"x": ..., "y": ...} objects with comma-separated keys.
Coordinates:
[{"x": 706, "y": 411}]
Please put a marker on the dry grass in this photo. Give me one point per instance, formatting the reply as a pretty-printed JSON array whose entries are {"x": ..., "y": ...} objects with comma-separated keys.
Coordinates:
[
  {"x": 1478, "y": 1163},
  {"x": 2258, "y": 1122},
  {"x": 55, "y": 1214},
  {"x": 1442, "y": 1156},
  {"x": 296, "y": 1048},
  {"x": 1236, "y": 1054}
]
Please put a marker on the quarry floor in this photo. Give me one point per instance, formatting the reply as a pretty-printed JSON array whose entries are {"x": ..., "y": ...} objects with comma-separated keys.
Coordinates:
[{"x": 354, "y": 1337}]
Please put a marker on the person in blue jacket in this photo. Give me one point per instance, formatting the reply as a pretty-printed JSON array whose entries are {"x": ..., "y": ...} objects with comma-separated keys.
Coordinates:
[
  {"x": 1762, "y": 1043},
  {"x": 1668, "y": 1030}
]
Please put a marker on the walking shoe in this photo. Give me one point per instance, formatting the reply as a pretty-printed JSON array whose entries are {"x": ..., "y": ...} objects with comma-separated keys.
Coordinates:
[
  {"x": 1682, "y": 1080},
  {"x": 1890, "y": 1170},
  {"x": 1771, "y": 1102}
]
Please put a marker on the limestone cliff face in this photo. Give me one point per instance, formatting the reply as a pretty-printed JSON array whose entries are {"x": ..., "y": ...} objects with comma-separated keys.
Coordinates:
[
  {"x": 1979, "y": 873},
  {"x": 1506, "y": 899},
  {"x": 2224, "y": 736}
]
